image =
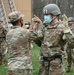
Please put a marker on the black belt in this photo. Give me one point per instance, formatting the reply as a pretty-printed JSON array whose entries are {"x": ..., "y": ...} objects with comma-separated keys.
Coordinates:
[
  {"x": 48, "y": 59},
  {"x": 2, "y": 37}
]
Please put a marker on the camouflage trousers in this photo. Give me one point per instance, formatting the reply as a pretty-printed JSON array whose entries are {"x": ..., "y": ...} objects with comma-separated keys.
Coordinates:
[
  {"x": 72, "y": 52},
  {"x": 70, "y": 57},
  {"x": 20, "y": 72},
  {"x": 3, "y": 60},
  {"x": 2, "y": 54},
  {"x": 0, "y": 58},
  {"x": 52, "y": 68}
]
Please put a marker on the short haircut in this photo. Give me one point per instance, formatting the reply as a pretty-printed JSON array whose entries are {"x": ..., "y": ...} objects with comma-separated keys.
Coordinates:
[{"x": 15, "y": 23}]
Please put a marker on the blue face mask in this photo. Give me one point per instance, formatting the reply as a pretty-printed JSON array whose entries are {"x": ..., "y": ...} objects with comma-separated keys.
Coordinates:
[{"x": 47, "y": 19}]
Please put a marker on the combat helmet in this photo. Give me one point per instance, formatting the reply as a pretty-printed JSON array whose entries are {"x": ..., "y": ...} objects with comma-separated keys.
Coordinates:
[
  {"x": 70, "y": 19},
  {"x": 1, "y": 19},
  {"x": 51, "y": 9}
]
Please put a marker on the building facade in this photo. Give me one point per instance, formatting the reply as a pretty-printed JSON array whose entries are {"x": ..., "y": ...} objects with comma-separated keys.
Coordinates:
[{"x": 25, "y": 7}]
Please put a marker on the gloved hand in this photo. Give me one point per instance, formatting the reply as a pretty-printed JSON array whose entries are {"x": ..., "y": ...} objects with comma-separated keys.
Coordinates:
[
  {"x": 36, "y": 22},
  {"x": 66, "y": 29},
  {"x": 36, "y": 19},
  {"x": 65, "y": 26}
]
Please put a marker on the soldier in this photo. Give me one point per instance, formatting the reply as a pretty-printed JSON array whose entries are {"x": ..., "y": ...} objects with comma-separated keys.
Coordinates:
[
  {"x": 19, "y": 55},
  {"x": 27, "y": 24},
  {"x": 9, "y": 25},
  {"x": 52, "y": 40},
  {"x": 70, "y": 51},
  {"x": 3, "y": 33}
]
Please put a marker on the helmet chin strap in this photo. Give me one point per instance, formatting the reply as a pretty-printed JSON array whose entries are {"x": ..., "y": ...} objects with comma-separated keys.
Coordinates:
[{"x": 53, "y": 19}]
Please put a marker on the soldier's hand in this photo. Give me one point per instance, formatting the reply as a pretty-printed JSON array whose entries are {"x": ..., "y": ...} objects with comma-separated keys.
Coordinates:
[
  {"x": 36, "y": 22},
  {"x": 36, "y": 19},
  {"x": 66, "y": 29},
  {"x": 65, "y": 26}
]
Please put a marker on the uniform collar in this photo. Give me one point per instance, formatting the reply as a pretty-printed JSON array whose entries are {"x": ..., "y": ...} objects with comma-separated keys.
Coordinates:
[
  {"x": 53, "y": 26},
  {"x": 14, "y": 27}
]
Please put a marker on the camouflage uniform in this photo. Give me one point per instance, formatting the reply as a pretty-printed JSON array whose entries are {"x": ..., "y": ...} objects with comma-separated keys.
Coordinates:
[
  {"x": 70, "y": 50},
  {"x": 2, "y": 45},
  {"x": 19, "y": 54},
  {"x": 52, "y": 45},
  {"x": 50, "y": 48}
]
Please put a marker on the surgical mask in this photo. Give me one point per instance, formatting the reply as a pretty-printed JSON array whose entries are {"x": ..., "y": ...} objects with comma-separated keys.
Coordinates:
[
  {"x": 27, "y": 25},
  {"x": 47, "y": 19}
]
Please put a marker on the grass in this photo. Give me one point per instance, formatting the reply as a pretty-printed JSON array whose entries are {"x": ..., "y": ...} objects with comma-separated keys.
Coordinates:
[
  {"x": 35, "y": 60},
  {"x": 3, "y": 70}
]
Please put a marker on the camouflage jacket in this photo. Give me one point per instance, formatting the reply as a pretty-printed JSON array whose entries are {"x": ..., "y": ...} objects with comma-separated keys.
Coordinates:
[
  {"x": 19, "y": 54},
  {"x": 52, "y": 39},
  {"x": 71, "y": 46},
  {"x": 3, "y": 33}
]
